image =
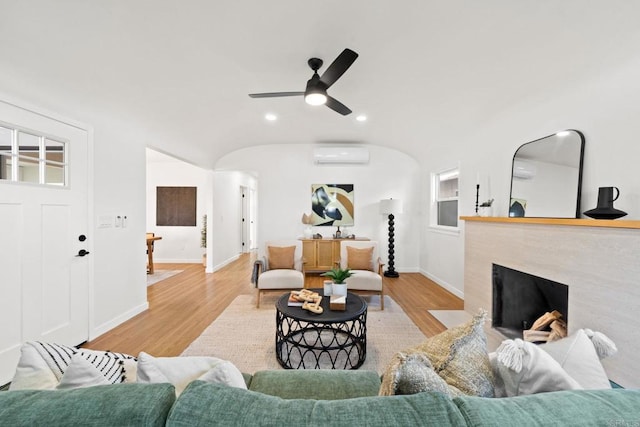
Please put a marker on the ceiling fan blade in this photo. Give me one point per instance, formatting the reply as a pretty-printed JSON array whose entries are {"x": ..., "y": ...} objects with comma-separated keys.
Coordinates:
[
  {"x": 275, "y": 94},
  {"x": 337, "y": 106},
  {"x": 338, "y": 67}
]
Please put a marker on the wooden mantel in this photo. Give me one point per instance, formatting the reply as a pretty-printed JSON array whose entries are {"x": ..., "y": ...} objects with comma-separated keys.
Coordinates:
[{"x": 576, "y": 222}]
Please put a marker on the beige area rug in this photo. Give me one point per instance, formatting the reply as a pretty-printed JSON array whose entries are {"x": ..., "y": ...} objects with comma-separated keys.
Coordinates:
[
  {"x": 245, "y": 335},
  {"x": 159, "y": 275}
]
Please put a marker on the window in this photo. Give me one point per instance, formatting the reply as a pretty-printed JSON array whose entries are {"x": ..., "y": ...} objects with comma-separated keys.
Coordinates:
[
  {"x": 445, "y": 198},
  {"x": 26, "y": 156}
]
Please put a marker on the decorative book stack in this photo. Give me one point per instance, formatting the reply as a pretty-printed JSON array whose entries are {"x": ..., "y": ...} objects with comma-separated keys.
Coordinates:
[
  {"x": 338, "y": 302},
  {"x": 293, "y": 301}
]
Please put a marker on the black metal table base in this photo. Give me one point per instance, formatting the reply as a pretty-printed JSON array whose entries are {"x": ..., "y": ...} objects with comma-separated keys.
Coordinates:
[{"x": 320, "y": 345}]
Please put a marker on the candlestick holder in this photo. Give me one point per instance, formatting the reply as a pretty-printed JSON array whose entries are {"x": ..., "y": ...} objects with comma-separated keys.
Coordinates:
[{"x": 477, "y": 196}]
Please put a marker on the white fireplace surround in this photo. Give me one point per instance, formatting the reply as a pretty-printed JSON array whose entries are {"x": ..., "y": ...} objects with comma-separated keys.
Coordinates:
[{"x": 599, "y": 262}]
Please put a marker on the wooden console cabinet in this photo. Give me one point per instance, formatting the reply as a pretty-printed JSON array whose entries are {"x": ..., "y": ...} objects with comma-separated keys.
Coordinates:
[{"x": 321, "y": 254}]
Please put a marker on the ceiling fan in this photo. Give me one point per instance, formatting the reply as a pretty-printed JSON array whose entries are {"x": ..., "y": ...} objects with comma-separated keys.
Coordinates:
[{"x": 316, "y": 91}]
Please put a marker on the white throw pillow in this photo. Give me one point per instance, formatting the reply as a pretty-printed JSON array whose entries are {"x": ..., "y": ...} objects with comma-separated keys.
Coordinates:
[
  {"x": 81, "y": 373},
  {"x": 42, "y": 365},
  {"x": 577, "y": 356},
  {"x": 33, "y": 372},
  {"x": 524, "y": 368},
  {"x": 180, "y": 371},
  {"x": 224, "y": 373}
]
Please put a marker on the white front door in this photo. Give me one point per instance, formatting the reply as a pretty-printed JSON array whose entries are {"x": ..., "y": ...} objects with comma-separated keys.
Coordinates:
[{"x": 44, "y": 283}]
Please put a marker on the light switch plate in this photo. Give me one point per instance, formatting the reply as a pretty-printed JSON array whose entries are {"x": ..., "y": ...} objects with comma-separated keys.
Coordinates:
[{"x": 105, "y": 221}]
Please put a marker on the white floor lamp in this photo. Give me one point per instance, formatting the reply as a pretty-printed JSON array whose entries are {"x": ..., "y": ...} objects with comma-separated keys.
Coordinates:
[{"x": 391, "y": 207}]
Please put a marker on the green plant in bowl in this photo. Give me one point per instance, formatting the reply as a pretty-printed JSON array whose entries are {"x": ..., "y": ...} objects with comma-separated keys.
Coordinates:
[{"x": 338, "y": 275}]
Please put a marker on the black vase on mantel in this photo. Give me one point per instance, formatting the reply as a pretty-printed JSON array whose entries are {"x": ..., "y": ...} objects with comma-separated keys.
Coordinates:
[{"x": 605, "y": 209}]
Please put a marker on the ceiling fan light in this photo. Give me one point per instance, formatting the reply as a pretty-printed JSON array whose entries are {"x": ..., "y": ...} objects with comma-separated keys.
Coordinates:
[{"x": 315, "y": 98}]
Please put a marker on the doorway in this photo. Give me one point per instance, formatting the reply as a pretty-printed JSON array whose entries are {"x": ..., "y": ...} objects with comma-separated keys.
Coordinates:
[{"x": 248, "y": 219}]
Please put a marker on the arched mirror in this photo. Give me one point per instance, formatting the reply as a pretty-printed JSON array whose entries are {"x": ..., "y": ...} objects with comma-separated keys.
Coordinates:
[{"x": 546, "y": 177}]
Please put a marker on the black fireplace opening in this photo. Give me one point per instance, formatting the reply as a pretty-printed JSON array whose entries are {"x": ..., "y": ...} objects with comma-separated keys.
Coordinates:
[{"x": 520, "y": 298}]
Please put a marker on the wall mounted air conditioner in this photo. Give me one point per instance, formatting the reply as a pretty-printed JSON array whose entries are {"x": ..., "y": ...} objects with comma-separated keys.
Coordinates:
[
  {"x": 524, "y": 170},
  {"x": 340, "y": 155}
]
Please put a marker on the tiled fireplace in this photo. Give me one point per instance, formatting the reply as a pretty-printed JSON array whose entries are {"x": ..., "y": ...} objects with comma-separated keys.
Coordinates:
[{"x": 599, "y": 262}]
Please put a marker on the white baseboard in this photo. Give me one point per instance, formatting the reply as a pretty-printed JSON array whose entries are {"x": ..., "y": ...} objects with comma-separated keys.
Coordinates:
[
  {"x": 177, "y": 261},
  {"x": 406, "y": 269},
  {"x": 222, "y": 264},
  {"x": 457, "y": 292},
  {"x": 107, "y": 326}
]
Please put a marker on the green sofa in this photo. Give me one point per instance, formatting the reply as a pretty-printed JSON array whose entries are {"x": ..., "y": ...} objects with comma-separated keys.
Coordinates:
[{"x": 297, "y": 397}]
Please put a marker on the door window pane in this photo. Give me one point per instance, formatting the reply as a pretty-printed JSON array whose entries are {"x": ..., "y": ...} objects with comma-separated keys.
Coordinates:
[
  {"x": 5, "y": 166},
  {"x": 5, "y": 152},
  {"x": 54, "y": 151},
  {"x": 5, "y": 140},
  {"x": 54, "y": 174},
  {"x": 54, "y": 171},
  {"x": 28, "y": 170},
  {"x": 28, "y": 145}
]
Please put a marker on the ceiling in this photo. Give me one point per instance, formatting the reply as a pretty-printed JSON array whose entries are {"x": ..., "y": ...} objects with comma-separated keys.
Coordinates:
[{"x": 177, "y": 74}]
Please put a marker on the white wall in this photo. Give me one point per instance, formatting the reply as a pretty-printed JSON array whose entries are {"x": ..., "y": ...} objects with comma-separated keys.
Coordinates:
[
  {"x": 118, "y": 254},
  {"x": 178, "y": 244},
  {"x": 441, "y": 252},
  {"x": 286, "y": 172},
  {"x": 604, "y": 109}
]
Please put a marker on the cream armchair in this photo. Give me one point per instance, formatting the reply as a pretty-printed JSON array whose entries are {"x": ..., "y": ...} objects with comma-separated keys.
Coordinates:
[
  {"x": 361, "y": 256},
  {"x": 282, "y": 267}
]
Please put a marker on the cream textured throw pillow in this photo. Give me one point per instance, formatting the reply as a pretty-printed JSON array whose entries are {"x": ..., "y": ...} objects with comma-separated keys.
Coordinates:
[
  {"x": 281, "y": 258},
  {"x": 459, "y": 357},
  {"x": 180, "y": 371},
  {"x": 410, "y": 374}
]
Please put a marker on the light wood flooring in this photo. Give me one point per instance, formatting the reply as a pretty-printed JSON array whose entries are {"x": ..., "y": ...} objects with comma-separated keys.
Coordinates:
[{"x": 182, "y": 306}]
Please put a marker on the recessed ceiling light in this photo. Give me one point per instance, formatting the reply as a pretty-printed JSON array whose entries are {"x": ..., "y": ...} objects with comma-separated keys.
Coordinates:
[
  {"x": 271, "y": 117},
  {"x": 361, "y": 118}
]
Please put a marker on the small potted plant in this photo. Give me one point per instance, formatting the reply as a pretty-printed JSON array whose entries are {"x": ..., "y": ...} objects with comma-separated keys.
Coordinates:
[
  {"x": 203, "y": 240},
  {"x": 484, "y": 209},
  {"x": 338, "y": 276}
]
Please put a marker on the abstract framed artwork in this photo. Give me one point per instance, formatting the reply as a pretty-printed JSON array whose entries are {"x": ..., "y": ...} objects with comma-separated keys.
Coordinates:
[{"x": 332, "y": 204}]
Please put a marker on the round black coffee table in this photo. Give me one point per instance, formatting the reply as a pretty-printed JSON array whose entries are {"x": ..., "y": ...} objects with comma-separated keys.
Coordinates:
[{"x": 331, "y": 340}]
